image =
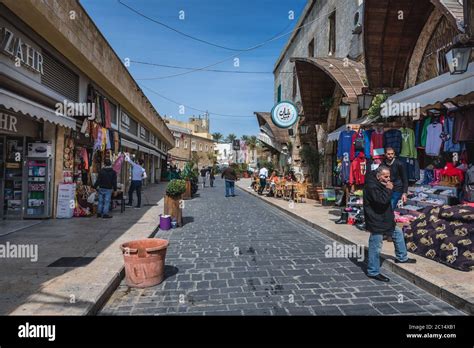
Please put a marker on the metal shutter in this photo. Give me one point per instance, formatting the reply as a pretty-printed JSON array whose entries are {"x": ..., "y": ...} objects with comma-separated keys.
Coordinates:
[{"x": 59, "y": 78}]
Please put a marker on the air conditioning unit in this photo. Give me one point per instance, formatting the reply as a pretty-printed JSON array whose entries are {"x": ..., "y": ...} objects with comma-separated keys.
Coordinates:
[{"x": 358, "y": 20}]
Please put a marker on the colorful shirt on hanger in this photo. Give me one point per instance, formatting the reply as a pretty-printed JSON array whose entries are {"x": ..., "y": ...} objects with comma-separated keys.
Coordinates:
[
  {"x": 344, "y": 144},
  {"x": 424, "y": 133},
  {"x": 433, "y": 139},
  {"x": 345, "y": 171},
  {"x": 354, "y": 153},
  {"x": 376, "y": 144},
  {"x": 393, "y": 139},
  {"x": 448, "y": 128},
  {"x": 408, "y": 143},
  {"x": 367, "y": 136},
  {"x": 358, "y": 170}
]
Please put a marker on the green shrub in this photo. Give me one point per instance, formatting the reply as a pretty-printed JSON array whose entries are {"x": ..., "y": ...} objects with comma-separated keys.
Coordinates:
[{"x": 176, "y": 188}]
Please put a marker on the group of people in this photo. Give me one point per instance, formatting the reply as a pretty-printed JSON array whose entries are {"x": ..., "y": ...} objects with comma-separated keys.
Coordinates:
[
  {"x": 106, "y": 186},
  {"x": 207, "y": 175},
  {"x": 261, "y": 178}
]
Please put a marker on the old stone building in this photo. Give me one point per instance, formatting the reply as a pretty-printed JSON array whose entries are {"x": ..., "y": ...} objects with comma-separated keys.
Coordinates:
[{"x": 320, "y": 67}]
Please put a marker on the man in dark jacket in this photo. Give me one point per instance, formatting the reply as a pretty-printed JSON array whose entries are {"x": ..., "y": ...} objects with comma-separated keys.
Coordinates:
[
  {"x": 106, "y": 183},
  {"x": 230, "y": 177},
  {"x": 380, "y": 220},
  {"x": 398, "y": 176}
]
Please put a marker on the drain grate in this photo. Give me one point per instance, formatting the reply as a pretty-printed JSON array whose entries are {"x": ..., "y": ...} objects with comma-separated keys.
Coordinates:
[{"x": 72, "y": 262}]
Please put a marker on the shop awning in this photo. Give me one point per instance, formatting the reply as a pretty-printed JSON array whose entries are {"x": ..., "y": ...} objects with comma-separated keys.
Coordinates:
[
  {"x": 142, "y": 148},
  {"x": 318, "y": 77},
  {"x": 334, "y": 136},
  {"x": 267, "y": 126},
  {"x": 17, "y": 103},
  {"x": 431, "y": 93},
  {"x": 271, "y": 142},
  {"x": 389, "y": 42}
]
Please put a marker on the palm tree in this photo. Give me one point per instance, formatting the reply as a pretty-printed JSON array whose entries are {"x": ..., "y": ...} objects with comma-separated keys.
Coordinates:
[
  {"x": 231, "y": 137},
  {"x": 217, "y": 136},
  {"x": 245, "y": 138},
  {"x": 251, "y": 142}
]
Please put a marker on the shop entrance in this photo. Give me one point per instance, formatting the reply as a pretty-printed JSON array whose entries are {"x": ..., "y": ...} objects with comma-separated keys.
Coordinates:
[{"x": 12, "y": 152}]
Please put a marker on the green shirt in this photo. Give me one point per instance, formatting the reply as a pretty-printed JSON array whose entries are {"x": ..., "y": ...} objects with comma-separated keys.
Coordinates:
[{"x": 408, "y": 143}]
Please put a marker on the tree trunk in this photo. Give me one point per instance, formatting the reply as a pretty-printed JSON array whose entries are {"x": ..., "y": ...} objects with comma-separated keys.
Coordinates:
[{"x": 173, "y": 209}]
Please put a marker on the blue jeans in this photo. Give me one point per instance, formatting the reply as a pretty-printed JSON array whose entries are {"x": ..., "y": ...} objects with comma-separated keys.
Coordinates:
[
  {"x": 229, "y": 188},
  {"x": 135, "y": 185},
  {"x": 104, "y": 201},
  {"x": 396, "y": 196},
  {"x": 375, "y": 246}
]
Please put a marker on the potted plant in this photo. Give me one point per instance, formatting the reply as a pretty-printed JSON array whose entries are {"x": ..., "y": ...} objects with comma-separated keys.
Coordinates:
[
  {"x": 174, "y": 191},
  {"x": 188, "y": 174}
]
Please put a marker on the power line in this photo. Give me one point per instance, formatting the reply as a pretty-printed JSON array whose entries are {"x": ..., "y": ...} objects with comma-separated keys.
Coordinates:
[
  {"x": 245, "y": 50},
  {"x": 184, "y": 34},
  {"x": 210, "y": 70},
  {"x": 190, "y": 107}
]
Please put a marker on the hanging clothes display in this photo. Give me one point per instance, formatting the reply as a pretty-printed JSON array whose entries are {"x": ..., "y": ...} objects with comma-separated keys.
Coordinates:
[
  {"x": 358, "y": 170},
  {"x": 448, "y": 130},
  {"x": 464, "y": 125},
  {"x": 367, "y": 137},
  {"x": 424, "y": 133},
  {"x": 408, "y": 143},
  {"x": 376, "y": 144},
  {"x": 345, "y": 171},
  {"x": 345, "y": 143},
  {"x": 393, "y": 139},
  {"x": 108, "y": 117},
  {"x": 358, "y": 144},
  {"x": 117, "y": 166},
  {"x": 433, "y": 139},
  {"x": 412, "y": 168}
]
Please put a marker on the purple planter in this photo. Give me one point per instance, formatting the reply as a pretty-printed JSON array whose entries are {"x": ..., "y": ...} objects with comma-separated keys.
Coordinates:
[{"x": 165, "y": 222}]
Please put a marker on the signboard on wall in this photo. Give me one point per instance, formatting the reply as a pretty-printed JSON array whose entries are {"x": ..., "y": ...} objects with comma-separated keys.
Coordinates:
[{"x": 284, "y": 114}]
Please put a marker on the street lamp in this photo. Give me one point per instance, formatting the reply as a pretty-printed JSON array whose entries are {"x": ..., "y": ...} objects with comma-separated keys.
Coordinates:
[
  {"x": 365, "y": 100},
  {"x": 344, "y": 110},
  {"x": 458, "y": 59}
]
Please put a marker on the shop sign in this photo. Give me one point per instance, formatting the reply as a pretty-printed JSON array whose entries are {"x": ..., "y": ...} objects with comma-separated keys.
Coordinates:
[
  {"x": 14, "y": 46},
  {"x": 284, "y": 114},
  {"x": 8, "y": 123},
  {"x": 236, "y": 145}
]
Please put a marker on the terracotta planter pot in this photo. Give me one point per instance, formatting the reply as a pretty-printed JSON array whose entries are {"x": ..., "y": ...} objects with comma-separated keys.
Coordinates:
[
  {"x": 187, "y": 194},
  {"x": 144, "y": 262},
  {"x": 172, "y": 208}
]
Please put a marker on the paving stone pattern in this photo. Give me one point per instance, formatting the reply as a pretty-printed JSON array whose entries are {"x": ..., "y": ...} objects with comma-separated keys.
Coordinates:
[{"x": 240, "y": 256}]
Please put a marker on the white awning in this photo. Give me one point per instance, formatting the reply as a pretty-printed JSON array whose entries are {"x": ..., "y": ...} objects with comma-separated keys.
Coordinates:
[
  {"x": 269, "y": 141},
  {"x": 129, "y": 144},
  {"x": 17, "y": 103},
  {"x": 334, "y": 136},
  {"x": 427, "y": 94}
]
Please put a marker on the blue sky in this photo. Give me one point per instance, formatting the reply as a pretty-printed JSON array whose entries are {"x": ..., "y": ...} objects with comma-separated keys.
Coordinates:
[{"x": 236, "y": 24}]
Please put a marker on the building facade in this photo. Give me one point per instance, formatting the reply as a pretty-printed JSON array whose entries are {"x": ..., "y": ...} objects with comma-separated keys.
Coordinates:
[
  {"x": 319, "y": 68},
  {"x": 193, "y": 142},
  {"x": 63, "y": 87}
]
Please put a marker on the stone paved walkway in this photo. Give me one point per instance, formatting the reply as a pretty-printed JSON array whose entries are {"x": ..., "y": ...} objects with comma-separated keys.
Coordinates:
[{"x": 240, "y": 256}]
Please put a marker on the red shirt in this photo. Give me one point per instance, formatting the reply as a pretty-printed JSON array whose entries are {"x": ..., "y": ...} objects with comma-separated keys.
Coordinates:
[{"x": 358, "y": 170}]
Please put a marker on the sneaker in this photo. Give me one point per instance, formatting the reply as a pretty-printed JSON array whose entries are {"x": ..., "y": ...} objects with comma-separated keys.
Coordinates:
[
  {"x": 107, "y": 216},
  {"x": 137, "y": 207},
  {"x": 406, "y": 261},
  {"x": 129, "y": 205},
  {"x": 380, "y": 277},
  {"x": 99, "y": 215}
]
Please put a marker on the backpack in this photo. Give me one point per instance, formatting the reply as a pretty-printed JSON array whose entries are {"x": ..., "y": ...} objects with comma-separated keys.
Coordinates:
[{"x": 359, "y": 144}]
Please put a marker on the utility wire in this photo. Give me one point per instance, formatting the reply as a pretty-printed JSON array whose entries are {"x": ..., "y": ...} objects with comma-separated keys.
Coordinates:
[
  {"x": 187, "y": 35},
  {"x": 247, "y": 49},
  {"x": 190, "y": 107}
]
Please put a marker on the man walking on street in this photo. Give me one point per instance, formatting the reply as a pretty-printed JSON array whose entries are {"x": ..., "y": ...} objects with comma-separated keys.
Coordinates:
[
  {"x": 106, "y": 184},
  {"x": 138, "y": 174},
  {"x": 203, "y": 176},
  {"x": 230, "y": 177},
  {"x": 380, "y": 220},
  {"x": 263, "y": 175},
  {"x": 398, "y": 176}
]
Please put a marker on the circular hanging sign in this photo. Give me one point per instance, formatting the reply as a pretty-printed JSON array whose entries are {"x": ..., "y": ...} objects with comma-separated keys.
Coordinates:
[{"x": 284, "y": 114}]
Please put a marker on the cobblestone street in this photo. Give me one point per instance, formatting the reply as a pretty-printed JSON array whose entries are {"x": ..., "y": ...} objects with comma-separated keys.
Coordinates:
[{"x": 240, "y": 256}]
